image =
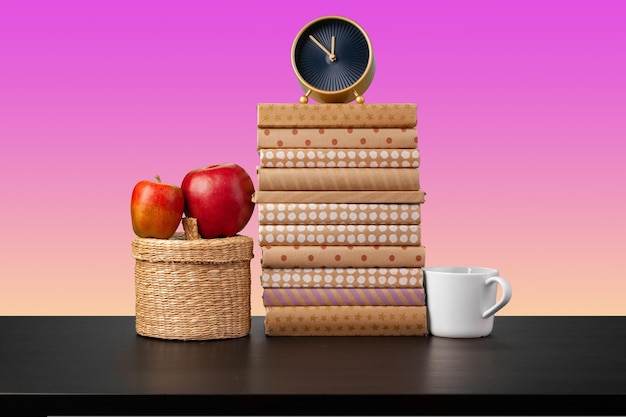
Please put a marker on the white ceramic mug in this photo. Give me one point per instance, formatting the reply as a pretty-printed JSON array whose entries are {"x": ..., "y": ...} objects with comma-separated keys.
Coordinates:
[{"x": 461, "y": 300}]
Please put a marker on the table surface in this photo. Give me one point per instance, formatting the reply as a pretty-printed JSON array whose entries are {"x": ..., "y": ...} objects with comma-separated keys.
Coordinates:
[{"x": 80, "y": 365}]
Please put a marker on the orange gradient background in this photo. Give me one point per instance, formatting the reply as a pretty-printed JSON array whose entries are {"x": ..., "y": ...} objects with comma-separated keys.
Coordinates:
[{"x": 522, "y": 134}]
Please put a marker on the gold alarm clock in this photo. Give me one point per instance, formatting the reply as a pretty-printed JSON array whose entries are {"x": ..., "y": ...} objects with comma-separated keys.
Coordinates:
[{"x": 333, "y": 59}]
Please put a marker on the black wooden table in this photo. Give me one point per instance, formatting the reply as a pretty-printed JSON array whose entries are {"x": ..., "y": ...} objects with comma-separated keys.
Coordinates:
[{"x": 100, "y": 366}]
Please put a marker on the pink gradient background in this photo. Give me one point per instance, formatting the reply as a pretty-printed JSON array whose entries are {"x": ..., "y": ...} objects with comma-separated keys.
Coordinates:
[{"x": 522, "y": 132}]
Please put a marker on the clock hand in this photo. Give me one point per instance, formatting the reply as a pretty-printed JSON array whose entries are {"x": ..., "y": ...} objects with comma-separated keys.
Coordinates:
[
  {"x": 331, "y": 56},
  {"x": 332, "y": 45}
]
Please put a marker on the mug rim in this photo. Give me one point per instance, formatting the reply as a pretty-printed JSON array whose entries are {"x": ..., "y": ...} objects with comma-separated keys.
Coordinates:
[{"x": 461, "y": 270}]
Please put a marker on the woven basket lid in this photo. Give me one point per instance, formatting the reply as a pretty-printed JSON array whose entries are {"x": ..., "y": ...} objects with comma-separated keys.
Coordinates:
[{"x": 178, "y": 249}]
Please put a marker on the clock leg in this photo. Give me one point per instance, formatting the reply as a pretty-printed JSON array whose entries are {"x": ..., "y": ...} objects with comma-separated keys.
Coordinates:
[
  {"x": 305, "y": 98},
  {"x": 359, "y": 98}
]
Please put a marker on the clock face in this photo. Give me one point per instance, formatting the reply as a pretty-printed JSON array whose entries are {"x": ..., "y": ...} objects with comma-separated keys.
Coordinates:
[{"x": 331, "y": 54}]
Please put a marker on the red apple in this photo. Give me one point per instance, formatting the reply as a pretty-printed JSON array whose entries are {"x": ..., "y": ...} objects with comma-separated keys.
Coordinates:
[
  {"x": 220, "y": 198},
  {"x": 156, "y": 209}
]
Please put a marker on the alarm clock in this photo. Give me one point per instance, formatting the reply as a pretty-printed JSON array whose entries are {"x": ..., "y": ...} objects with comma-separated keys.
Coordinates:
[{"x": 333, "y": 60}]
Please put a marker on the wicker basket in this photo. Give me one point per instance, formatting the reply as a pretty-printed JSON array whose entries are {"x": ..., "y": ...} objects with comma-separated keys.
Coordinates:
[{"x": 196, "y": 289}]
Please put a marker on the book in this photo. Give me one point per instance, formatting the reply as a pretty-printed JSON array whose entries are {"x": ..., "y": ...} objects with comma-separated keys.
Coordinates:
[
  {"x": 346, "y": 321},
  {"x": 330, "y": 115},
  {"x": 338, "y": 213},
  {"x": 343, "y": 296},
  {"x": 338, "y": 179},
  {"x": 339, "y": 158},
  {"x": 340, "y": 234},
  {"x": 358, "y": 138},
  {"x": 325, "y": 196},
  {"x": 321, "y": 256},
  {"x": 342, "y": 277}
]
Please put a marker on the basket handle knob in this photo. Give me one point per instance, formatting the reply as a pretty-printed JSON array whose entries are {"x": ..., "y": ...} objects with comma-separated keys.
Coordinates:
[{"x": 190, "y": 225}]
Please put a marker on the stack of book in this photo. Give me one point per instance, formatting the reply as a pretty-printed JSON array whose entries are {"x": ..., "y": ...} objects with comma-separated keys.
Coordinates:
[{"x": 338, "y": 201}]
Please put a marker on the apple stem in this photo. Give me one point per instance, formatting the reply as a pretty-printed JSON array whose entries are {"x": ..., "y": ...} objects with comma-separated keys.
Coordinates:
[{"x": 158, "y": 178}]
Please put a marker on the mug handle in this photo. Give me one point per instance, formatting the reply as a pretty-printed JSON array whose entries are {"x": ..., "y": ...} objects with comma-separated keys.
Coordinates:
[{"x": 507, "y": 291}]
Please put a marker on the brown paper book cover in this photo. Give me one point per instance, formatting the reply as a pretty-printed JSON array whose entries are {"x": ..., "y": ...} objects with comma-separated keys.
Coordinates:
[
  {"x": 338, "y": 213},
  {"x": 338, "y": 179},
  {"x": 331, "y": 115},
  {"x": 346, "y": 321},
  {"x": 320, "y": 256},
  {"x": 410, "y": 197},
  {"x": 342, "y": 278},
  {"x": 340, "y": 234},
  {"x": 339, "y": 158},
  {"x": 358, "y": 138},
  {"x": 343, "y": 297}
]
